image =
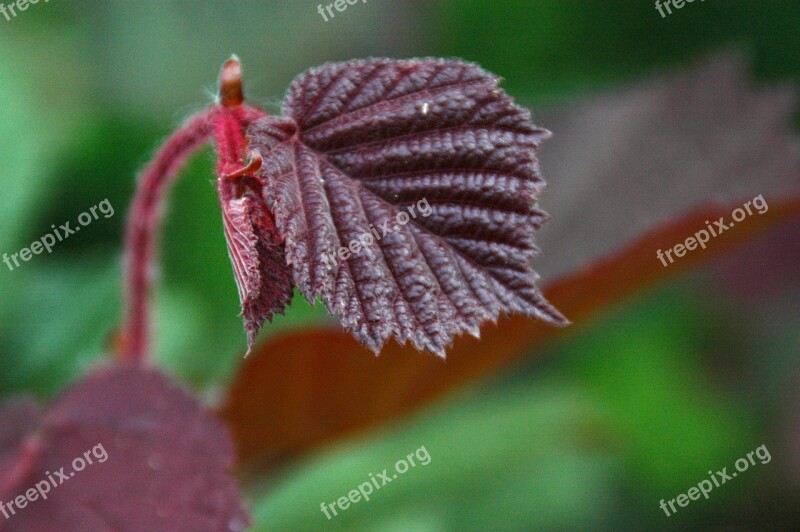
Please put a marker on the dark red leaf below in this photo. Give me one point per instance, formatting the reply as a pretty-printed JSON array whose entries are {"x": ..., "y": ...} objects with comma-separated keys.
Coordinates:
[{"x": 160, "y": 461}]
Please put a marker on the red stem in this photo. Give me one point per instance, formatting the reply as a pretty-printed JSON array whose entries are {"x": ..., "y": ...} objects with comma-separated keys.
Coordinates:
[
  {"x": 227, "y": 126},
  {"x": 143, "y": 222}
]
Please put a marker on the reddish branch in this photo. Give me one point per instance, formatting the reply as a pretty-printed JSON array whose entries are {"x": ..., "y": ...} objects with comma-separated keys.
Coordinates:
[{"x": 226, "y": 123}]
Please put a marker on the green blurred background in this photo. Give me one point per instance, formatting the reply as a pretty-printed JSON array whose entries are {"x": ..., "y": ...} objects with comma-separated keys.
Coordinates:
[{"x": 593, "y": 433}]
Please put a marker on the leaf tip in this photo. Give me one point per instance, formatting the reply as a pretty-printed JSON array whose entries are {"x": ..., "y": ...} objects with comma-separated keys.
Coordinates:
[{"x": 543, "y": 133}]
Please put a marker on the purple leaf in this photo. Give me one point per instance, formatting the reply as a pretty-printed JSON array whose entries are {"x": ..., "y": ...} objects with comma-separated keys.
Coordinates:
[{"x": 406, "y": 195}]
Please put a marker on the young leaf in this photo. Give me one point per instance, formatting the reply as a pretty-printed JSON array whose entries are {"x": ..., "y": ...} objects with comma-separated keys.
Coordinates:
[
  {"x": 406, "y": 193},
  {"x": 257, "y": 255},
  {"x": 159, "y": 460}
]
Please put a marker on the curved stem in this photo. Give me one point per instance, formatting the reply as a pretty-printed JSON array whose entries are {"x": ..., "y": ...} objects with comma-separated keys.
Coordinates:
[
  {"x": 143, "y": 220},
  {"x": 227, "y": 127},
  {"x": 225, "y": 122}
]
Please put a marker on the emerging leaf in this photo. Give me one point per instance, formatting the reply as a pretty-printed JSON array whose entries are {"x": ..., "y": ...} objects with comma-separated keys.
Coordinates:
[
  {"x": 259, "y": 267},
  {"x": 406, "y": 195}
]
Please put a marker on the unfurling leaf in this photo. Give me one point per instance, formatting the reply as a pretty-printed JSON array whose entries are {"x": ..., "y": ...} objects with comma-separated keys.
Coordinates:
[
  {"x": 126, "y": 450},
  {"x": 405, "y": 191},
  {"x": 262, "y": 277}
]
